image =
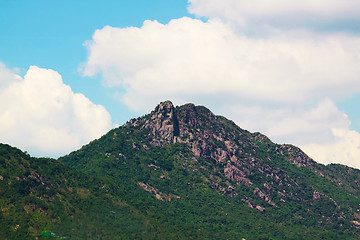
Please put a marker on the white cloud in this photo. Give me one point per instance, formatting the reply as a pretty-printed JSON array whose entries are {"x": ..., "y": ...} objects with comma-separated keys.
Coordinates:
[
  {"x": 345, "y": 150},
  {"x": 281, "y": 84},
  {"x": 310, "y": 125},
  {"x": 188, "y": 56},
  {"x": 278, "y": 13},
  {"x": 322, "y": 131},
  {"x": 7, "y": 76},
  {"x": 293, "y": 123},
  {"x": 42, "y": 115}
]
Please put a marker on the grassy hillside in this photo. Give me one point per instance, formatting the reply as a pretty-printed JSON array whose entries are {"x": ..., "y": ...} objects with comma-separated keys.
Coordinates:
[
  {"x": 177, "y": 173},
  {"x": 44, "y": 195}
]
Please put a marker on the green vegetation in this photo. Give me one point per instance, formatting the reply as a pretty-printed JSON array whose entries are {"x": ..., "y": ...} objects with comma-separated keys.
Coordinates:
[{"x": 132, "y": 184}]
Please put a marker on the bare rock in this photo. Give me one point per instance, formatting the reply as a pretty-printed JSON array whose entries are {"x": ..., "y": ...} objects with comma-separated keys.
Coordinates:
[
  {"x": 259, "y": 208},
  {"x": 295, "y": 155},
  {"x": 316, "y": 195},
  {"x": 163, "y": 122}
]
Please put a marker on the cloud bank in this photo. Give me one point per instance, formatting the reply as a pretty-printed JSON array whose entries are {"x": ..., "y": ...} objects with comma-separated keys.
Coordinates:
[
  {"x": 40, "y": 114},
  {"x": 321, "y": 130},
  {"x": 190, "y": 56},
  {"x": 282, "y": 83},
  {"x": 261, "y": 15}
]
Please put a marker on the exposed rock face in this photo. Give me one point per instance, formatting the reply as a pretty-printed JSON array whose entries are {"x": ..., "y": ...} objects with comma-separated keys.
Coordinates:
[
  {"x": 295, "y": 155},
  {"x": 158, "y": 195},
  {"x": 263, "y": 196},
  {"x": 233, "y": 173},
  {"x": 316, "y": 195},
  {"x": 233, "y": 150},
  {"x": 189, "y": 151},
  {"x": 163, "y": 122}
]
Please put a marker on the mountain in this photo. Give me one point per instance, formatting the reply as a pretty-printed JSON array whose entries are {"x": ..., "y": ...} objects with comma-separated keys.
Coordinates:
[
  {"x": 178, "y": 173},
  {"x": 41, "y": 196}
]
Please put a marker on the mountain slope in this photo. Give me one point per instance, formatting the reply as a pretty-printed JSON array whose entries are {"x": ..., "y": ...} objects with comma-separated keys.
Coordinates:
[
  {"x": 178, "y": 173},
  {"x": 222, "y": 179},
  {"x": 44, "y": 196}
]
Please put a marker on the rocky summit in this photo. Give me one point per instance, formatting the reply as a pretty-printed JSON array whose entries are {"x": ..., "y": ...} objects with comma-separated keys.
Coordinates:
[{"x": 179, "y": 173}]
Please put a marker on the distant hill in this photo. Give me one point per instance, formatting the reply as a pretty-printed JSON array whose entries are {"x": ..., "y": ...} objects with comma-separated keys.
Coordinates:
[{"x": 178, "y": 173}]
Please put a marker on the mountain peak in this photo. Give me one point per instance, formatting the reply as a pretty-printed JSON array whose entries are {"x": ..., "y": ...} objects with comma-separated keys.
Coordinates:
[
  {"x": 163, "y": 122},
  {"x": 202, "y": 131},
  {"x": 165, "y": 104},
  {"x": 189, "y": 156},
  {"x": 164, "y": 112}
]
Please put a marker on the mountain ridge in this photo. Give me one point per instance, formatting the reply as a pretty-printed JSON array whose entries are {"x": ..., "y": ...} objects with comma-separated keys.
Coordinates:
[
  {"x": 232, "y": 150},
  {"x": 184, "y": 173},
  {"x": 171, "y": 130}
]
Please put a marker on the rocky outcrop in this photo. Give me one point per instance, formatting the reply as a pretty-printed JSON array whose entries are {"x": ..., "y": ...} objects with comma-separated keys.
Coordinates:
[
  {"x": 158, "y": 195},
  {"x": 295, "y": 155},
  {"x": 233, "y": 150},
  {"x": 234, "y": 174},
  {"x": 316, "y": 195},
  {"x": 263, "y": 196},
  {"x": 163, "y": 122}
]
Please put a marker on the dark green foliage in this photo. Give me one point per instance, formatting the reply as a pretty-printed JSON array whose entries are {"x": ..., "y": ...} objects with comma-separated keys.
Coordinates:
[
  {"x": 132, "y": 184},
  {"x": 38, "y": 194}
]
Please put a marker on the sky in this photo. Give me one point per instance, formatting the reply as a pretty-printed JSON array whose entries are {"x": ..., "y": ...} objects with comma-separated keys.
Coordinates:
[{"x": 72, "y": 70}]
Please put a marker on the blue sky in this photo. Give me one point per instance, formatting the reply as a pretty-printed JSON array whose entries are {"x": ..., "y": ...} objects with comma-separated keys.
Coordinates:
[
  {"x": 51, "y": 34},
  {"x": 72, "y": 70}
]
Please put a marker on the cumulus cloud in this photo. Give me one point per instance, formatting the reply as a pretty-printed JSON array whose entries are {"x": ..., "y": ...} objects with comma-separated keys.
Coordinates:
[
  {"x": 279, "y": 13},
  {"x": 42, "y": 115},
  {"x": 296, "y": 124},
  {"x": 345, "y": 150},
  {"x": 282, "y": 84},
  {"x": 7, "y": 76},
  {"x": 322, "y": 130},
  {"x": 194, "y": 57}
]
